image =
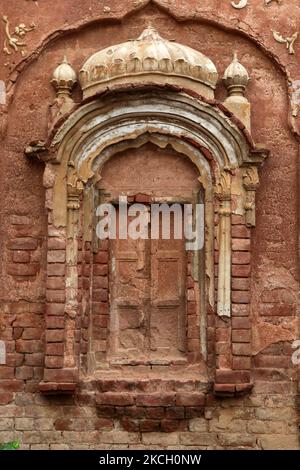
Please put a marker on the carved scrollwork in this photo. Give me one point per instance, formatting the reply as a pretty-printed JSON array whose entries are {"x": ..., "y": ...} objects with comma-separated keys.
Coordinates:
[
  {"x": 288, "y": 41},
  {"x": 223, "y": 186},
  {"x": 250, "y": 181},
  {"x": 13, "y": 41}
]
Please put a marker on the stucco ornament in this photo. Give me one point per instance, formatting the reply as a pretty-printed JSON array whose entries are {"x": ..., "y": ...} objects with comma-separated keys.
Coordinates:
[
  {"x": 64, "y": 78},
  {"x": 13, "y": 41},
  {"x": 241, "y": 4},
  {"x": 289, "y": 41},
  {"x": 149, "y": 58}
]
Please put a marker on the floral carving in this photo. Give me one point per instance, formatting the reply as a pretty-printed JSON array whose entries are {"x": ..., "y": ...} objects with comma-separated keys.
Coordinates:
[
  {"x": 13, "y": 41},
  {"x": 289, "y": 41}
]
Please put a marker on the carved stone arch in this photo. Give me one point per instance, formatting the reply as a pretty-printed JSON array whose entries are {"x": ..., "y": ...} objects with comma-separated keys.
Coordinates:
[{"x": 204, "y": 132}]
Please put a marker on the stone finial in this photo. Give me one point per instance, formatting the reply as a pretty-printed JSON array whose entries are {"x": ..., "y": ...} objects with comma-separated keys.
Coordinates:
[
  {"x": 64, "y": 78},
  {"x": 236, "y": 79}
]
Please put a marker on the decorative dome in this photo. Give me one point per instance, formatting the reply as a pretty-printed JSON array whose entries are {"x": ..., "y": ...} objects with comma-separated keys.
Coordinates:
[
  {"x": 64, "y": 77},
  {"x": 236, "y": 77},
  {"x": 149, "y": 59}
]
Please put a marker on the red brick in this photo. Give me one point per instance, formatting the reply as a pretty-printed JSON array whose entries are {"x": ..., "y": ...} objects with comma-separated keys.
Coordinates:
[
  {"x": 6, "y": 398},
  {"x": 28, "y": 346},
  {"x": 142, "y": 198},
  {"x": 240, "y": 231},
  {"x": 237, "y": 219},
  {"x": 63, "y": 424},
  {"x": 11, "y": 385},
  {"x": 241, "y": 270},
  {"x": 241, "y": 349},
  {"x": 277, "y": 310},
  {"x": 101, "y": 257},
  {"x": 56, "y": 256},
  {"x": 24, "y": 373},
  {"x": 241, "y": 257},
  {"x": 129, "y": 425},
  {"x": 100, "y": 282},
  {"x": 278, "y": 362},
  {"x": 53, "y": 322},
  {"x": 194, "y": 412},
  {"x": 35, "y": 359},
  {"x": 240, "y": 310},
  {"x": 240, "y": 297},
  {"x": 156, "y": 399},
  {"x": 55, "y": 309},
  {"x": 100, "y": 295},
  {"x": 190, "y": 399},
  {"x": 241, "y": 363},
  {"x": 228, "y": 376},
  {"x": 23, "y": 244},
  {"x": 6, "y": 372},
  {"x": 56, "y": 269},
  {"x": 241, "y": 283},
  {"x": 21, "y": 256},
  {"x": 55, "y": 336},
  {"x": 175, "y": 412},
  {"x": 56, "y": 283},
  {"x": 149, "y": 425},
  {"x": 100, "y": 269},
  {"x": 115, "y": 399},
  {"x": 173, "y": 425},
  {"x": 56, "y": 244},
  {"x": 64, "y": 375},
  {"x": 241, "y": 336},
  {"x": 155, "y": 412},
  {"x": 54, "y": 362},
  {"x": 32, "y": 333},
  {"x": 241, "y": 323},
  {"x": 56, "y": 296},
  {"x": 21, "y": 269},
  {"x": 240, "y": 244}
]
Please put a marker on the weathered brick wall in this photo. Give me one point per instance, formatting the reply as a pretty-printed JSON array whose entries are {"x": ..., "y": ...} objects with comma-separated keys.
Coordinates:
[{"x": 265, "y": 281}]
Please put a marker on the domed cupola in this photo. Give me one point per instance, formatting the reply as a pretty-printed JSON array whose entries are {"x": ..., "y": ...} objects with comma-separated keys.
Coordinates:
[{"x": 149, "y": 59}]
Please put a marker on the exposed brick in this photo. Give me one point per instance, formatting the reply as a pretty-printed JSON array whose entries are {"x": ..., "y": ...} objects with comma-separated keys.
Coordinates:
[
  {"x": 23, "y": 244},
  {"x": 54, "y": 362},
  {"x": 240, "y": 231},
  {"x": 56, "y": 283},
  {"x": 149, "y": 425},
  {"x": 24, "y": 373},
  {"x": 55, "y": 322},
  {"x": 21, "y": 256},
  {"x": 241, "y": 283},
  {"x": 228, "y": 376},
  {"x": 56, "y": 296},
  {"x": 100, "y": 282},
  {"x": 100, "y": 269},
  {"x": 241, "y": 270},
  {"x": 22, "y": 269},
  {"x": 241, "y": 336},
  {"x": 156, "y": 399},
  {"x": 115, "y": 399},
  {"x": 277, "y": 310},
  {"x": 240, "y": 310},
  {"x": 56, "y": 243},
  {"x": 55, "y": 309},
  {"x": 190, "y": 399},
  {"x": 56, "y": 256},
  {"x": 241, "y": 363},
  {"x": 56, "y": 269},
  {"x": 101, "y": 257},
  {"x": 240, "y": 297},
  {"x": 241, "y": 349},
  {"x": 241, "y": 257},
  {"x": 54, "y": 336},
  {"x": 240, "y": 323}
]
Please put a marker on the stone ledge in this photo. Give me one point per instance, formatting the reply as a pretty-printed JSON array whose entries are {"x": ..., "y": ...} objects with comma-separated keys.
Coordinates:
[
  {"x": 232, "y": 390},
  {"x": 55, "y": 388}
]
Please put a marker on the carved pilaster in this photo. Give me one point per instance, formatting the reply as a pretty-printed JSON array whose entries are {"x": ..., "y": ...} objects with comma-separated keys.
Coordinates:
[
  {"x": 223, "y": 192},
  {"x": 250, "y": 181},
  {"x": 75, "y": 188}
]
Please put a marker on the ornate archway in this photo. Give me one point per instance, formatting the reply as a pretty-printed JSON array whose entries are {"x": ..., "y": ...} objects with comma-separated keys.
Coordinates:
[{"x": 158, "y": 92}]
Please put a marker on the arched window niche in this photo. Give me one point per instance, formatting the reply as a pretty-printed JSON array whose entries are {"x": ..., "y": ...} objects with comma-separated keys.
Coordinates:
[{"x": 113, "y": 312}]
